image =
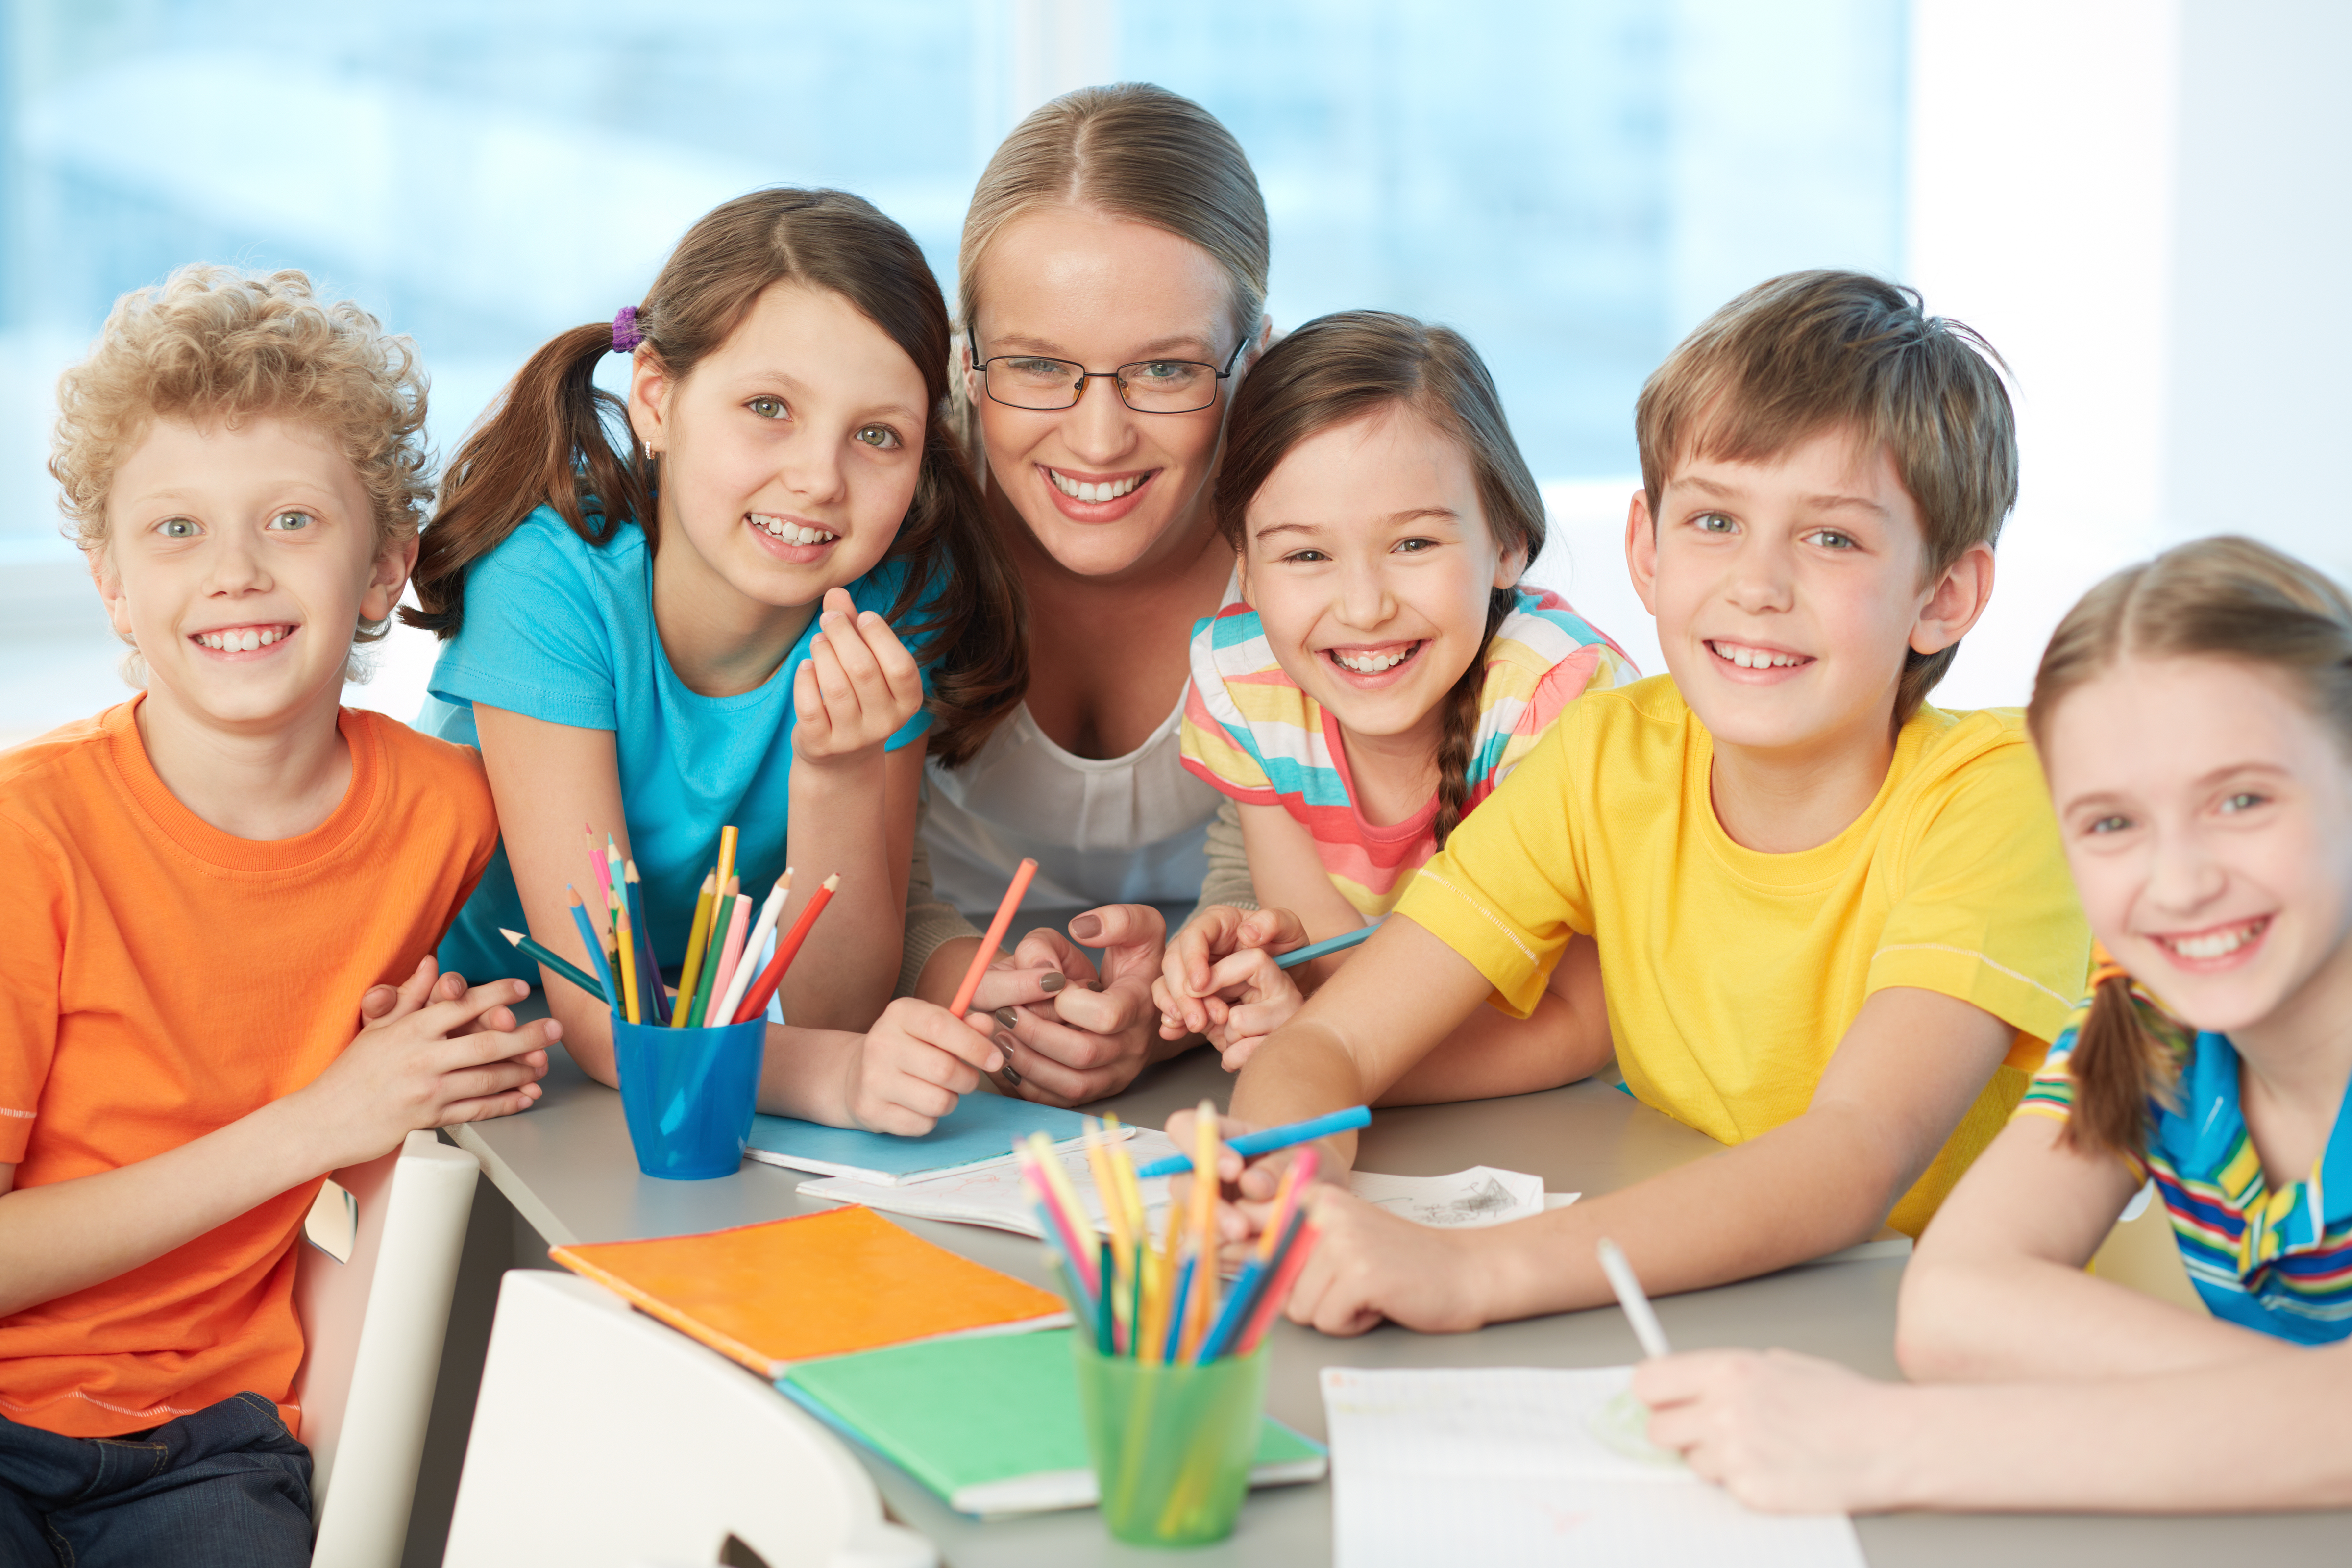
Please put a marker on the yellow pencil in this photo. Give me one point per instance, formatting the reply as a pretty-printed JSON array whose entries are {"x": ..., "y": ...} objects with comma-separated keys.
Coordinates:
[
  {"x": 697, "y": 938},
  {"x": 1201, "y": 1302},
  {"x": 727, "y": 842},
  {"x": 628, "y": 955}
]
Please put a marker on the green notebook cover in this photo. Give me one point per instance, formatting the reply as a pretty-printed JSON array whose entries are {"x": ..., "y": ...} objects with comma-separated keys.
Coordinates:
[{"x": 992, "y": 1424}]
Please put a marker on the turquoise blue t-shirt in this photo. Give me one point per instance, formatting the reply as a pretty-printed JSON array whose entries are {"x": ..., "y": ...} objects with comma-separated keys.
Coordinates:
[{"x": 562, "y": 630}]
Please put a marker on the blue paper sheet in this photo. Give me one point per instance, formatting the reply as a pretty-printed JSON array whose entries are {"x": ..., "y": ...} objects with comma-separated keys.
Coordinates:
[{"x": 979, "y": 1131}]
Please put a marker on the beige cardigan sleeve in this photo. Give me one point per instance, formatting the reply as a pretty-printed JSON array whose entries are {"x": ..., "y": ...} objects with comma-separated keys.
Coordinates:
[
  {"x": 1228, "y": 881},
  {"x": 931, "y": 921}
]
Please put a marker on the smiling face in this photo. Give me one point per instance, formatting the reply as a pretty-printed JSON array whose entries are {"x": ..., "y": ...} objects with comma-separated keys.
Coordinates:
[
  {"x": 1370, "y": 562},
  {"x": 790, "y": 455},
  {"x": 1786, "y": 592},
  {"x": 2208, "y": 821},
  {"x": 241, "y": 559},
  {"x": 1100, "y": 485}
]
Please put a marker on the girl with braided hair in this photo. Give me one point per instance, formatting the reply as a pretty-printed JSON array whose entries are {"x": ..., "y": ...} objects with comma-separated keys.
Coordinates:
[{"x": 1384, "y": 673}]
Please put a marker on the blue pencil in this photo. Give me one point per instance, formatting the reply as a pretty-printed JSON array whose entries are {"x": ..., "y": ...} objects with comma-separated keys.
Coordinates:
[
  {"x": 1236, "y": 1314},
  {"x": 1315, "y": 950},
  {"x": 648, "y": 966},
  {"x": 1177, "y": 1311},
  {"x": 1249, "y": 1145},
  {"x": 596, "y": 948}
]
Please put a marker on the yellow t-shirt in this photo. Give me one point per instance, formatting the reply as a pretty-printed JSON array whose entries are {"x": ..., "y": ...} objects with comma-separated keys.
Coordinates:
[{"x": 1731, "y": 975}]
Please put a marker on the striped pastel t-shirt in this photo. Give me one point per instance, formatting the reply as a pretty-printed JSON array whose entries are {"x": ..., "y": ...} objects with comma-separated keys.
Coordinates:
[
  {"x": 1250, "y": 731},
  {"x": 2280, "y": 1262}
]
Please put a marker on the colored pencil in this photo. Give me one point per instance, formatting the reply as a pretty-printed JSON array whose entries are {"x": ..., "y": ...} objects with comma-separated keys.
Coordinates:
[
  {"x": 730, "y": 953},
  {"x": 596, "y": 953},
  {"x": 994, "y": 939},
  {"x": 756, "y": 1001},
  {"x": 1250, "y": 1145},
  {"x": 627, "y": 941},
  {"x": 1061, "y": 1228},
  {"x": 1293, "y": 1258},
  {"x": 761, "y": 929},
  {"x": 1171, "y": 1343},
  {"x": 599, "y": 866},
  {"x": 1630, "y": 1296},
  {"x": 1324, "y": 948},
  {"x": 728, "y": 840},
  {"x": 1049, "y": 1166},
  {"x": 697, "y": 938},
  {"x": 557, "y": 962},
  {"x": 1106, "y": 1314},
  {"x": 1197, "y": 1310},
  {"x": 656, "y": 997}
]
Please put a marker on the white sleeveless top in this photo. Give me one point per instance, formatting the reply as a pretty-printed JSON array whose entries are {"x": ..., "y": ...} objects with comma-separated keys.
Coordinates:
[{"x": 1105, "y": 830}]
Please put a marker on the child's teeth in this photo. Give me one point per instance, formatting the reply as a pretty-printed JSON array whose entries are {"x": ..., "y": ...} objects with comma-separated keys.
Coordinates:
[
  {"x": 791, "y": 533},
  {"x": 2215, "y": 944},
  {"x": 1371, "y": 663}
]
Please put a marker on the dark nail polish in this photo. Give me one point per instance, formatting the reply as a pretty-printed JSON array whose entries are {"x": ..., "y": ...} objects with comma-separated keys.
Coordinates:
[
  {"x": 1005, "y": 1043},
  {"x": 1008, "y": 1017},
  {"x": 1053, "y": 982},
  {"x": 1011, "y": 1077},
  {"x": 1086, "y": 928}
]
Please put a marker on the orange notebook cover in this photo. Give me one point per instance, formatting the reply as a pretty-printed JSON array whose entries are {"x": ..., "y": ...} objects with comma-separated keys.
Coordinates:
[{"x": 818, "y": 1285}]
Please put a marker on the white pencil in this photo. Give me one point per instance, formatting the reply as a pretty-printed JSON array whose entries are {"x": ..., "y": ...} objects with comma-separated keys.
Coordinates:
[
  {"x": 747, "y": 968},
  {"x": 1630, "y": 1297}
]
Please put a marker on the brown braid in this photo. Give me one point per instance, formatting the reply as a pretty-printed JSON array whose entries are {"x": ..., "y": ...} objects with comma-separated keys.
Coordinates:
[{"x": 1462, "y": 724}]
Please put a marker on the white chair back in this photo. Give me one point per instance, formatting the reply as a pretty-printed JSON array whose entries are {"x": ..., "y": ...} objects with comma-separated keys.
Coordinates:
[
  {"x": 603, "y": 1439},
  {"x": 371, "y": 1332}
]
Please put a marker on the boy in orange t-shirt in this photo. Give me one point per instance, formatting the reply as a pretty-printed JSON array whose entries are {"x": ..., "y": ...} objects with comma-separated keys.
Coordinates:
[{"x": 220, "y": 904}]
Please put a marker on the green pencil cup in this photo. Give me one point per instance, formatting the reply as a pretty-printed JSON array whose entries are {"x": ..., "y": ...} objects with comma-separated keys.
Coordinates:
[{"x": 1173, "y": 1444}]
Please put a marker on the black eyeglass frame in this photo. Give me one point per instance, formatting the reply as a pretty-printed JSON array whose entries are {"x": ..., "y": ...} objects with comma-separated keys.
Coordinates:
[{"x": 1116, "y": 377}]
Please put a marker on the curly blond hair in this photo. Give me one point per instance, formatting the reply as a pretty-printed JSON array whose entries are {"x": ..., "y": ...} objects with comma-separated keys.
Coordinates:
[{"x": 215, "y": 343}]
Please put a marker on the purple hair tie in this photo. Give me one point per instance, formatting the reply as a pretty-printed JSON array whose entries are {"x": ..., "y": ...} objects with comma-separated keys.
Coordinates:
[{"x": 625, "y": 336}]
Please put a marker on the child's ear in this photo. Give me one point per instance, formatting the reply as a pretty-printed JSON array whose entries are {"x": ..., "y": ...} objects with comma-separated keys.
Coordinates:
[
  {"x": 109, "y": 588},
  {"x": 1642, "y": 549},
  {"x": 1510, "y": 565},
  {"x": 649, "y": 389},
  {"x": 1958, "y": 597},
  {"x": 390, "y": 576}
]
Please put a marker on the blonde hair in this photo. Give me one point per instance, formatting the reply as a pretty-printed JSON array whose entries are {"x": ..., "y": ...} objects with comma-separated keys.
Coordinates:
[
  {"x": 2225, "y": 597},
  {"x": 1810, "y": 351},
  {"x": 1137, "y": 151},
  {"x": 213, "y": 342}
]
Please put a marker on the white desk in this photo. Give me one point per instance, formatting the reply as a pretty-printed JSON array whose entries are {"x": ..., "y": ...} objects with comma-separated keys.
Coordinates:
[{"x": 566, "y": 1167}]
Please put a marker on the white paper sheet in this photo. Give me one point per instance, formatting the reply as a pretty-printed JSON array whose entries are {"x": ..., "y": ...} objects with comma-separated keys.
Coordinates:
[
  {"x": 995, "y": 1196},
  {"x": 1503, "y": 1466},
  {"x": 1480, "y": 1195}
]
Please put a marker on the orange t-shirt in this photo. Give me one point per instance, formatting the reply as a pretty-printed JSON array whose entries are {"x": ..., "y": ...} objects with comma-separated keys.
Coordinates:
[{"x": 160, "y": 979}]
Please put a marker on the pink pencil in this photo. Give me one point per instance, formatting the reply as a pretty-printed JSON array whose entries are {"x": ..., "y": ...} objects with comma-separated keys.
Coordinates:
[
  {"x": 737, "y": 923},
  {"x": 596, "y": 862}
]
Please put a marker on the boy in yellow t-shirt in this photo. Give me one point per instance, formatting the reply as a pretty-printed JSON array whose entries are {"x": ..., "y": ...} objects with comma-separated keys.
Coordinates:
[{"x": 1834, "y": 923}]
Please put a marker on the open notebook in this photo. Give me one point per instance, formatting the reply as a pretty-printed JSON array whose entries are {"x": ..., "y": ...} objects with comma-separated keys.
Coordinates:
[
  {"x": 828, "y": 1284},
  {"x": 992, "y": 1425}
]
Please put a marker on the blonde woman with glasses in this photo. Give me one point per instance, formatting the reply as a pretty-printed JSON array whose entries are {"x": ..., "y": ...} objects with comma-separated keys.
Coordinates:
[{"x": 1111, "y": 295}]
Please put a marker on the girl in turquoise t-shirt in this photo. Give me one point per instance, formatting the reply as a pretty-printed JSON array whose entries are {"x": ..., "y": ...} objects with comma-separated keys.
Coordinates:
[{"x": 696, "y": 628}]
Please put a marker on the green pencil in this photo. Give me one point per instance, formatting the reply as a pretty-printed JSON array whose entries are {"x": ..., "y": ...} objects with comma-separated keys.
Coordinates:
[{"x": 563, "y": 967}]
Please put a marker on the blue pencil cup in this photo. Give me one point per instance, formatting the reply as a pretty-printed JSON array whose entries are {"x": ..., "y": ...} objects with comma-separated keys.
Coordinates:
[{"x": 688, "y": 1095}]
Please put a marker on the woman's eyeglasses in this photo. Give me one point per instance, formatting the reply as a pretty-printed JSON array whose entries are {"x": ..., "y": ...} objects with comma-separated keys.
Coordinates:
[{"x": 1148, "y": 385}]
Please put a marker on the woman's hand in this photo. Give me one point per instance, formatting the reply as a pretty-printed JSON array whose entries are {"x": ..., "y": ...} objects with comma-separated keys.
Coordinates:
[
  {"x": 857, "y": 687},
  {"x": 1097, "y": 1031},
  {"x": 1781, "y": 1432},
  {"x": 912, "y": 1067}
]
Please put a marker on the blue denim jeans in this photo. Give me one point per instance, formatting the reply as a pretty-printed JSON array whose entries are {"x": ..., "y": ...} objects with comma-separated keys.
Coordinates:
[{"x": 226, "y": 1486}]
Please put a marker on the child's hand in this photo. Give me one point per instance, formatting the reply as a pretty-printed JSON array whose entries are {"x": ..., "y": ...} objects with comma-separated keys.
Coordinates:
[
  {"x": 1780, "y": 1432},
  {"x": 1371, "y": 1264},
  {"x": 857, "y": 687},
  {"x": 423, "y": 1061},
  {"x": 1214, "y": 934},
  {"x": 1255, "y": 996},
  {"x": 1097, "y": 1031},
  {"x": 913, "y": 1066}
]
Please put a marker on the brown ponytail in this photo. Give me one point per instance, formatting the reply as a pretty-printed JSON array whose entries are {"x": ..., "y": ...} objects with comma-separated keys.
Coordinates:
[
  {"x": 1340, "y": 367},
  {"x": 554, "y": 438},
  {"x": 2224, "y": 597}
]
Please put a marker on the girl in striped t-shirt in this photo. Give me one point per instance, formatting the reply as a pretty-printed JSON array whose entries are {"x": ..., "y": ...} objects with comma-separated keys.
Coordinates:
[
  {"x": 1383, "y": 674},
  {"x": 2195, "y": 719}
]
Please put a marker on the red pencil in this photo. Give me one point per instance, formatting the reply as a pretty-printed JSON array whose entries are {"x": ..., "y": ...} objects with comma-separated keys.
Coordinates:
[
  {"x": 994, "y": 940},
  {"x": 1277, "y": 1290},
  {"x": 755, "y": 1001}
]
